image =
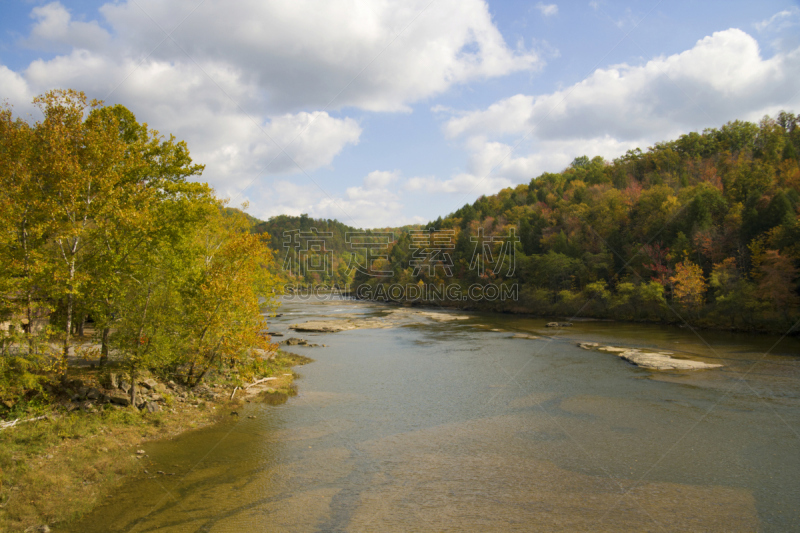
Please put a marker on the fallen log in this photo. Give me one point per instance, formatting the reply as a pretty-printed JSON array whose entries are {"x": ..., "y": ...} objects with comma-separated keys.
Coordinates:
[
  {"x": 262, "y": 380},
  {"x": 6, "y": 425}
]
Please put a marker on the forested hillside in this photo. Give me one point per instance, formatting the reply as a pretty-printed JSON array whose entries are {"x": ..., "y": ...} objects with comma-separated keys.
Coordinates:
[
  {"x": 314, "y": 251},
  {"x": 703, "y": 229}
]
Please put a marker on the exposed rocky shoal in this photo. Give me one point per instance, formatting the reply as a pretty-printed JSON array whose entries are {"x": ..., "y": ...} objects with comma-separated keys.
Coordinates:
[{"x": 653, "y": 360}]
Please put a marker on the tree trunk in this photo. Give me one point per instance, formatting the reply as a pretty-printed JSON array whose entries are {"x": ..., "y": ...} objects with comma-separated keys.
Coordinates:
[
  {"x": 104, "y": 347},
  {"x": 190, "y": 374},
  {"x": 65, "y": 355},
  {"x": 133, "y": 387},
  {"x": 70, "y": 305},
  {"x": 30, "y": 324},
  {"x": 29, "y": 310},
  {"x": 106, "y": 332}
]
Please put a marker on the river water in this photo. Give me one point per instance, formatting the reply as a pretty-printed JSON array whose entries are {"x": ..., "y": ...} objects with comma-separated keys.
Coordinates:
[{"x": 438, "y": 425}]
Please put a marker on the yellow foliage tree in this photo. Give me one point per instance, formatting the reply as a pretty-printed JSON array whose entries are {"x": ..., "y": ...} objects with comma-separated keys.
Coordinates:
[{"x": 689, "y": 285}]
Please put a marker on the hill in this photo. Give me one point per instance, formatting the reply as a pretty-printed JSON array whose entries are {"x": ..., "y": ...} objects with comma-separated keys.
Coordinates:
[{"x": 701, "y": 229}]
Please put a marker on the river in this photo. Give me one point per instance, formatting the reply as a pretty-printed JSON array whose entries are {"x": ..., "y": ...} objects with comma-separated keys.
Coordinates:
[{"x": 453, "y": 425}]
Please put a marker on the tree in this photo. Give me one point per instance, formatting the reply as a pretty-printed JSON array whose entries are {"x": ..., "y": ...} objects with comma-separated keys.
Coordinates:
[
  {"x": 78, "y": 165},
  {"x": 776, "y": 286},
  {"x": 689, "y": 285},
  {"x": 149, "y": 208},
  {"x": 24, "y": 230}
]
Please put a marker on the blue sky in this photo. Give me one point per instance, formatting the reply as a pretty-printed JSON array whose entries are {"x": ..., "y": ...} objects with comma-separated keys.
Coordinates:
[{"x": 389, "y": 113}]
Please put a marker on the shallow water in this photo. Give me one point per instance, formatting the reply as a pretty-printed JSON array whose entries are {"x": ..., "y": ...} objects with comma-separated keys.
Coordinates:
[{"x": 450, "y": 426}]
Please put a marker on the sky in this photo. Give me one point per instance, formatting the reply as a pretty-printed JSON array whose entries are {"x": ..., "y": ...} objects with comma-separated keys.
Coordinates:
[{"x": 383, "y": 113}]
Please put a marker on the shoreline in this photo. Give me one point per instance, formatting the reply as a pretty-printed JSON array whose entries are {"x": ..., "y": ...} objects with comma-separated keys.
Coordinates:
[
  {"x": 58, "y": 468},
  {"x": 522, "y": 311}
]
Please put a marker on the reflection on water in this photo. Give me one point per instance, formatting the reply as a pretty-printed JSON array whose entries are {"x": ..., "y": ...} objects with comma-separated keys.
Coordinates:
[{"x": 451, "y": 426}]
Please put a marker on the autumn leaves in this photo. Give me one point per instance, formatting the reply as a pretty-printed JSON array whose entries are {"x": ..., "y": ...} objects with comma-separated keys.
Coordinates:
[{"x": 101, "y": 221}]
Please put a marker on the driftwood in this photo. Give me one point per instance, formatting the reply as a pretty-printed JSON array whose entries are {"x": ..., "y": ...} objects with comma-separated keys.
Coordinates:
[
  {"x": 234, "y": 391},
  {"x": 262, "y": 380},
  {"x": 6, "y": 425}
]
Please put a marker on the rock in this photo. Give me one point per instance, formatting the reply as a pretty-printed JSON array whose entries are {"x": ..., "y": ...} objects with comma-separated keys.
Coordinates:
[
  {"x": 73, "y": 406},
  {"x": 663, "y": 361},
  {"x": 558, "y": 324},
  {"x": 276, "y": 334},
  {"x": 152, "y": 407},
  {"x": 613, "y": 349},
  {"x": 82, "y": 392},
  {"x": 44, "y": 528},
  {"x": 124, "y": 386},
  {"x": 324, "y": 326},
  {"x": 524, "y": 336},
  {"x": 120, "y": 399},
  {"x": 113, "y": 380},
  {"x": 157, "y": 398},
  {"x": 442, "y": 317},
  {"x": 294, "y": 341},
  {"x": 651, "y": 360},
  {"x": 93, "y": 394},
  {"x": 140, "y": 452},
  {"x": 148, "y": 384},
  {"x": 160, "y": 388}
]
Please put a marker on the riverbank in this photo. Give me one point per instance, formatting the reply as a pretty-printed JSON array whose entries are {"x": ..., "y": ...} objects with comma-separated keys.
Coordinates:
[
  {"x": 574, "y": 307},
  {"x": 58, "y": 467}
]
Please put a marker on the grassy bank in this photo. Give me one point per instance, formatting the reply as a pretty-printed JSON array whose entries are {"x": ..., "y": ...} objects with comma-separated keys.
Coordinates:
[{"x": 55, "y": 469}]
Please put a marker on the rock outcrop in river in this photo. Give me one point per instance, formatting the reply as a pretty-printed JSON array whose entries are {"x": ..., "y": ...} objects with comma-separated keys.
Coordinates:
[
  {"x": 650, "y": 360},
  {"x": 392, "y": 318}
]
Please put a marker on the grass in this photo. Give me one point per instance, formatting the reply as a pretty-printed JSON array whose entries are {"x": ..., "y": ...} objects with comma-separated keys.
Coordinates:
[{"x": 55, "y": 470}]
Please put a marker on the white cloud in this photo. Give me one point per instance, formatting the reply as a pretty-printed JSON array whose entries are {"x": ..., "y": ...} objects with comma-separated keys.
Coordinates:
[
  {"x": 380, "y": 179},
  {"x": 212, "y": 107},
  {"x": 371, "y": 205},
  {"x": 781, "y": 20},
  {"x": 373, "y": 55},
  {"x": 311, "y": 140},
  {"x": 723, "y": 77},
  {"x": 15, "y": 91},
  {"x": 510, "y": 115},
  {"x": 547, "y": 10},
  {"x": 54, "y": 29},
  {"x": 463, "y": 184}
]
